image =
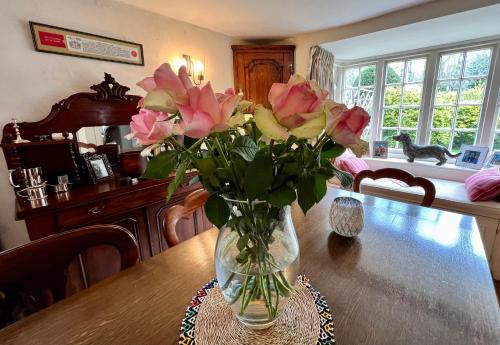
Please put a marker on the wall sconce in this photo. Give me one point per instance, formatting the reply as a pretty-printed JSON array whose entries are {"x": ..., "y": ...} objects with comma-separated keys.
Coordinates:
[{"x": 194, "y": 69}]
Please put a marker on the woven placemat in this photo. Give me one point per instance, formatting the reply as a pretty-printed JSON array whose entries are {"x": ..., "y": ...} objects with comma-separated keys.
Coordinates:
[{"x": 306, "y": 319}]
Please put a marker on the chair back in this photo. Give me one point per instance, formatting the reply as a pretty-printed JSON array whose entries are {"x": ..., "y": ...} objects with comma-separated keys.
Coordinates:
[
  {"x": 401, "y": 175},
  {"x": 174, "y": 214},
  {"x": 33, "y": 276}
]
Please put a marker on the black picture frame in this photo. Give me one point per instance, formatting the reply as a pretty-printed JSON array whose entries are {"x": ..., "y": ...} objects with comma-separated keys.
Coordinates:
[
  {"x": 63, "y": 50},
  {"x": 98, "y": 167}
]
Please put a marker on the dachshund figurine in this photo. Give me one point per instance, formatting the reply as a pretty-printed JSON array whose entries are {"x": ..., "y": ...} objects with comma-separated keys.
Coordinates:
[{"x": 413, "y": 151}]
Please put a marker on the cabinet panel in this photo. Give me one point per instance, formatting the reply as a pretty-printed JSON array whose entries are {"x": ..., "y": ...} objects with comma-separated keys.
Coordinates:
[{"x": 256, "y": 68}]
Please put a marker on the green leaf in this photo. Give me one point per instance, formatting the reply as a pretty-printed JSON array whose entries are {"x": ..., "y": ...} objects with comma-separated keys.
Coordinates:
[
  {"x": 259, "y": 175},
  {"x": 242, "y": 242},
  {"x": 282, "y": 196},
  {"x": 188, "y": 142},
  {"x": 319, "y": 186},
  {"x": 245, "y": 147},
  {"x": 306, "y": 192},
  {"x": 242, "y": 257},
  {"x": 161, "y": 165},
  {"x": 178, "y": 178},
  {"x": 331, "y": 150},
  {"x": 217, "y": 210},
  {"x": 205, "y": 165}
]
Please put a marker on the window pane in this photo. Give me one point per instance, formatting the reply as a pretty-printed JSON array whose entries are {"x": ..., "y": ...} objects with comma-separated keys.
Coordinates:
[
  {"x": 446, "y": 92},
  {"x": 477, "y": 63},
  {"x": 443, "y": 117},
  {"x": 468, "y": 116},
  {"x": 450, "y": 66},
  {"x": 440, "y": 138},
  {"x": 349, "y": 95},
  {"x": 472, "y": 91},
  {"x": 466, "y": 138},
  {"x": 392, "y": 95},
  {"x": 387, "y": 134},
  {"x": 415, "y": 70},
  {"x": 351, "y": 77},
  {"x": 366, "y": 134},
  {"x": 412, "y": 94},
  {"x": 409, "y": 117},
  {"x": 391, "y": 116},
  {"x": 496, "y": 143},
  {"x": 413, "y": 134},
  {"x": 365, "y": 97},
  {"x": 394, "y": 72},
  {"x": 368, "y": 75}
]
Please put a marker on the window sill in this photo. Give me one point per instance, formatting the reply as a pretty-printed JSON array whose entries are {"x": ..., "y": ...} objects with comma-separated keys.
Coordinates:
[{"x": 423, "y": 168}]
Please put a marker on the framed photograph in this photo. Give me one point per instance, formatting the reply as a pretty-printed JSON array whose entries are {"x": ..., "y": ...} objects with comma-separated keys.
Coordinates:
[
  {"x": 98, "y": 167},
  {"x": 472, "y": 157},
  {"x": 493, "y": 160},
  {"x": 380, "y": 149},
  {"x": 56, "y": 40}
]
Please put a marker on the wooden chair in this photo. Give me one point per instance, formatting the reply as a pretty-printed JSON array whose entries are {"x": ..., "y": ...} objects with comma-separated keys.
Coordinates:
[
  {"x": 406, "y": 177},
  {"x": 33, "y": 276},
  {"x": 193, "y": 201}
]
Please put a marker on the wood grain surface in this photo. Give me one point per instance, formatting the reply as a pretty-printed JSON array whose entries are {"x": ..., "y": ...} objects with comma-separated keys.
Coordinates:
[{"x": 415, "y": 275}]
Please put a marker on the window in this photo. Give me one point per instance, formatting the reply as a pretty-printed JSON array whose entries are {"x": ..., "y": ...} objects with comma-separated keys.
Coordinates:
[
  {"x": 459, "y": 96},
  {"x": 358, "y": 89},
  {"x": 441, "y": 96},
  {"x": 403, "y": 85},
  {"x": 496, "y": 140}
]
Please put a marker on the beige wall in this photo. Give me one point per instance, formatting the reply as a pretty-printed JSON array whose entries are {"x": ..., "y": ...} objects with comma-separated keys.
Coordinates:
[
  {"x": 426, "y": 11},
  {"x": 30, "y": 82}
]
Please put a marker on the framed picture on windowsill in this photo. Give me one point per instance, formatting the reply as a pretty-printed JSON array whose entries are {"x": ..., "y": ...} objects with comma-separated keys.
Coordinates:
[
  {"x": 472, "y": 157},
  {"x": 380, "y": 149},
  {"x": 493, "y": 160}
]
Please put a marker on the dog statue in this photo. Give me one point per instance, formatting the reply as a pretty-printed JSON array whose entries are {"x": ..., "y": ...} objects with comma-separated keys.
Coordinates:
[{"x": 413, "y": 151}]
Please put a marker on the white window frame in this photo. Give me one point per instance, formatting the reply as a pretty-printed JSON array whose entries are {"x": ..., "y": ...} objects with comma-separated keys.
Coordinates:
[
  {"x": 489, "y": 109},
  {"x": 401, "y": 106}
]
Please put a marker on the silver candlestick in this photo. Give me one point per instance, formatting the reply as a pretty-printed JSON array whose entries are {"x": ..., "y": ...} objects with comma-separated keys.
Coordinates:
[{"x": 18, "y": 134}]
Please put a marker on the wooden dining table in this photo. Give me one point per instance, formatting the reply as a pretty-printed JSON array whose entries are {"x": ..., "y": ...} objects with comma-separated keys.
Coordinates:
[{"x": 414, "y": 275}]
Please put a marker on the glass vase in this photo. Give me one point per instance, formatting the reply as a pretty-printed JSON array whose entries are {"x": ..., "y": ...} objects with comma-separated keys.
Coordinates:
[{"x": 257, "y": 261}]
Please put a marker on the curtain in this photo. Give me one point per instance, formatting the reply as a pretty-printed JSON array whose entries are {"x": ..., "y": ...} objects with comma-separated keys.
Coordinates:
[{"x": 321, "y": 69}]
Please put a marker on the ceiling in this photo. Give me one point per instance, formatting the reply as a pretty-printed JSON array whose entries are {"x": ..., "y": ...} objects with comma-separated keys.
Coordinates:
[
  {"x": 270, "y": 18},
  {"x": 459, "y": 27}
]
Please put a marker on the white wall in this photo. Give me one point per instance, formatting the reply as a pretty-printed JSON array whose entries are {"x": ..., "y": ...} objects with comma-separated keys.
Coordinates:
[{"x": 30, "y": 82}]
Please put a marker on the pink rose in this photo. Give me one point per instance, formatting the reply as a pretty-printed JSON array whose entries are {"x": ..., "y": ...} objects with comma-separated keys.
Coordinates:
[
  {"x": 205, "y": 113},
  {"x": 150, "y": 127},
  {"x": 345, "y": 126},
  {"x": 166, "y": 89},
  {"x": 297, "y": 101}
]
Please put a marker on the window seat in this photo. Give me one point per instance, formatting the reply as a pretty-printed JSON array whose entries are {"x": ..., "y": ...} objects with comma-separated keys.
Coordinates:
[{"x": 450, "y": 196}]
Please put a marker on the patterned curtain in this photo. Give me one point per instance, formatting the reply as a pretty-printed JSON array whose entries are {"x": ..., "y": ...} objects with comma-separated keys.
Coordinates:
[{"x": 321, "y": 68}]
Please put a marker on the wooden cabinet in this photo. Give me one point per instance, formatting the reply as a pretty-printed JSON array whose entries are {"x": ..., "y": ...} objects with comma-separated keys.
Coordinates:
[
  {"x": 139, "y": 208},
  {"x": 256, "y": 68}
]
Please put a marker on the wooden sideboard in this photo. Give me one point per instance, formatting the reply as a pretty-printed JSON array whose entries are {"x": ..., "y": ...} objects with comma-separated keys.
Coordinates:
[{"x": 138, "y": 207}]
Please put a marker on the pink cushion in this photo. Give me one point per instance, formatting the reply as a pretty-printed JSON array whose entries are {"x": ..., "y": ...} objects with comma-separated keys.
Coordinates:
[
  {"x": 484, "y": 185},
  {"x": 352, "y": 164}
]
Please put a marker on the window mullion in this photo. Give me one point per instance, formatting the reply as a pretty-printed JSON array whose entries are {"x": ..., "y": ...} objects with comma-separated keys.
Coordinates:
[
  {"x": 378, "y": 103},
  {"x": 428, "y": 94}
]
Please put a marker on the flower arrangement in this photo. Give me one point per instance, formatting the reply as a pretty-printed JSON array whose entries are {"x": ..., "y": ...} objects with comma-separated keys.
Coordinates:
[{"x": 252, "y": 165}]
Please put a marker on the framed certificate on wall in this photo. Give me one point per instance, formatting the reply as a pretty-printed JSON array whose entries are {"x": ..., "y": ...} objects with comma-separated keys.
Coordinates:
[{"x": 56, "y": 40}]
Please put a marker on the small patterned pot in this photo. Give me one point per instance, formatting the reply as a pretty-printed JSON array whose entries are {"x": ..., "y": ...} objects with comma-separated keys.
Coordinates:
[{"x": 347, "y": 216}]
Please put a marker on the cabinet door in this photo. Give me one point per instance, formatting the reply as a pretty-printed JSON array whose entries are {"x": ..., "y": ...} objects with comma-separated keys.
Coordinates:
[{"x": 255, "y": 70}]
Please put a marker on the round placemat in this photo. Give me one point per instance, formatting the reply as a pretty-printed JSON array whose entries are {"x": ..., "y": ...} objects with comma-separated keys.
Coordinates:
[{"x": 306, "y": 319}]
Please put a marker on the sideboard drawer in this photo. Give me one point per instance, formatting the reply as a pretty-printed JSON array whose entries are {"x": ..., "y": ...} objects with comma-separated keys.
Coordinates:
[{"x": 88, "y": 213}]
